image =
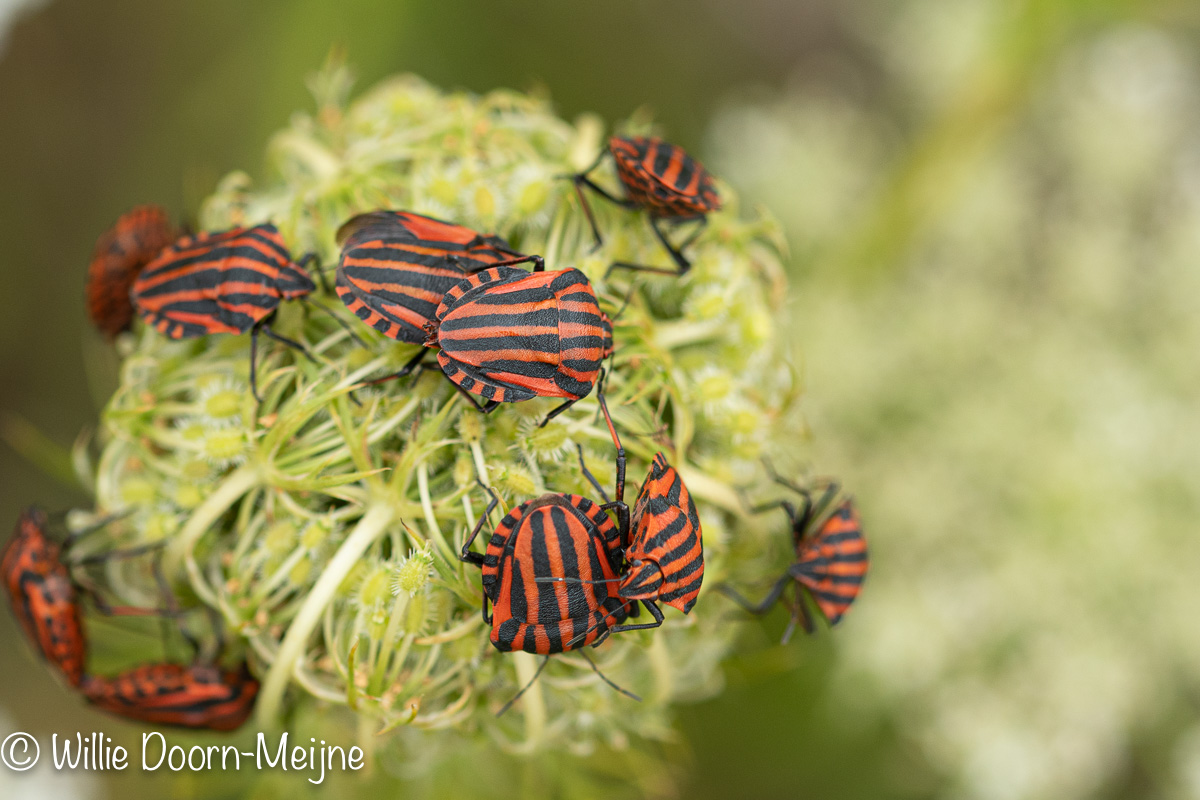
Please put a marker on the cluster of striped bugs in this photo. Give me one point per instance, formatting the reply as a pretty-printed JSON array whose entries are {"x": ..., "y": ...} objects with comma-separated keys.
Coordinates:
[
  {"x": 560, "y": 572},
  {"x": 45, "y": 592}
]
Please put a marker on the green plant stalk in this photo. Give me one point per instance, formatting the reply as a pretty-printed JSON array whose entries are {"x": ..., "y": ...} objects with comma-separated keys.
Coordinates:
[
  {"x": 368, "y": 529},
  {"x": 182, "y": 547}
]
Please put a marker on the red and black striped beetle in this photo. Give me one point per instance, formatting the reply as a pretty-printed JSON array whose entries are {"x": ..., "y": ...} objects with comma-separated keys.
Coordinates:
[
  {"x": 660, "y": 178},
  {"x": 193, "y": 696},
  {"x": 831, "y": 558},
  {"x": 396, "y": 266},
  {"x": 120, "y": 254},
  {"x": 229, "y": 281},
  {"x": 43, "y": 596},
  {"x": 508, "y": 335}
]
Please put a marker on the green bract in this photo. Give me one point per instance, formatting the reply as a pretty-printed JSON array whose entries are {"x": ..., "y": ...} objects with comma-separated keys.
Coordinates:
[{"x": 324, "y": 526}]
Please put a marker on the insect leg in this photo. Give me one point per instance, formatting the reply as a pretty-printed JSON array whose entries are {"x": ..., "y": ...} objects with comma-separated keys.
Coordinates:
[
  {"x": 703, "y": 220},
  {"x": 757, "y": 608},
  {"x": 407, "y": 369},
  {"x": 486, "y": 408},
  {"x": 558, "y": 410},
  {"x": 73, "y": 537},
  {"x": 254, "y": 364},
  {"x": 467, "y": 555},
  {"x": 307, "y": 259},
  {"x": 623, "y": 526},
  {"x": 654, "y": 612},
  {"x": 800, "y": 613},
  {"x": 788, "y": 507},
  {"x": 130, "y": 552},
  {"x": 676, "y": 255},
  {"x": 639, "y": 268},
  {"x": 170, "y": 609},
  {"x": 289, "y": 342},
  {"x": 580, "y": 179},
  {"x": 581, "y": 636},
  {"x": 574, "y": 580},
  {"x": 539, "y": 264},
  {"x": 620, "y": 486}
]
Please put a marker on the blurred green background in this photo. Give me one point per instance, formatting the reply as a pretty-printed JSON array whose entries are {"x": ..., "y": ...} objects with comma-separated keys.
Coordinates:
[{"x": 994, "y": 214}]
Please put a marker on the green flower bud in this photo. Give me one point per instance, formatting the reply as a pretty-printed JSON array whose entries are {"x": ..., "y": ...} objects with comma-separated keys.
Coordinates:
[{"x": 411, "y": 574}]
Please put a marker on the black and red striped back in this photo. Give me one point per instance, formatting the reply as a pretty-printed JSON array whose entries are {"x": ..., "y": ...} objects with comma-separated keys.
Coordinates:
[
  {"x": 42, "y": 595},
  {"x": 555, "y": 536},
  {"x": 221, "y": 282},
  {"x": 833, "y": 562},
  {"x": 120, "y": 254},
  {"x": 196, "y": 696},
  {"x": 662, "y": 178},
  {"x": 396, "y": 266},
  {"x": 665, "y": 556},
  {"x": 509, "y": 335}
]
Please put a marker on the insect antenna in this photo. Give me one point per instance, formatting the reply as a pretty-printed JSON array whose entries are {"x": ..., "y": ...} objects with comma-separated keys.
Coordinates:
[
  {"x": 624, "y": 303},
  {"x": 604, "y": 677},
  {"x": 524, "y": 688},
  {"x": 587, "y": 473},
  {"x": 266, "y": 329},
  {"x": 341, "y": 322}
]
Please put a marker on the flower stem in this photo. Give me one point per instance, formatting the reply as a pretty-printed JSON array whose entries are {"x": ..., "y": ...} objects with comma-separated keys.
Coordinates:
[
  {"x": 670, "y": 335},
  {"x": 364, "y": 534},
  {"x": 183, "y": 546},
  {"x": 535, "y": 705}
]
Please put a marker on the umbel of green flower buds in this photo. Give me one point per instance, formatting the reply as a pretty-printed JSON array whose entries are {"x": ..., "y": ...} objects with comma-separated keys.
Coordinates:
[{"x": 322, "y": 526}]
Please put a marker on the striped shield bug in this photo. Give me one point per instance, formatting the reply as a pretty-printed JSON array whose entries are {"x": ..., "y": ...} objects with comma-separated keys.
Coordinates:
[
  {"x": 662, "y": 179},
  {"x": 45, "y": 595},
  {"x": 193, "y": 696},
  {"x": 556, "y": 535},
  {"x": 120, "y": 254},
  {"x": 546, "y": 572},
  {"x": 396, "y": 266},
  {"x": 665, "y": 556},
  {"x": 552, "y": 568},
  {"x": 224, "y": 282},
  {"x": 831, "y": 558},
  {"x": 508, "y": 335},
  {"x": 662, "y": 550},
  {"x": 42, "y": 595}
]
